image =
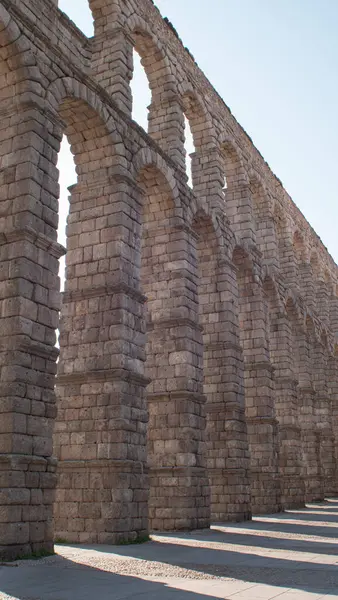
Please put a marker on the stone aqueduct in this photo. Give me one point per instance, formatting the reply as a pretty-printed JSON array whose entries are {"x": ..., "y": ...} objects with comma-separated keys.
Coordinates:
[{"x": 197, "y": 376}]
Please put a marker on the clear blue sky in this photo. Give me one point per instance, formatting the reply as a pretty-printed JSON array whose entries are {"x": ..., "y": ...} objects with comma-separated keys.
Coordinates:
[{"x": 275, "y": 64}]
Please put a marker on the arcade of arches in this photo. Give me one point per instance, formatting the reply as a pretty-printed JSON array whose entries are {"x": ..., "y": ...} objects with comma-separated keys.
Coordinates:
[{"x": 197, "y": 374}]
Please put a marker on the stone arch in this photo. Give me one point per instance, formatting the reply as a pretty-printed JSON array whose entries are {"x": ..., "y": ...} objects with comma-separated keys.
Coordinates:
[
  {"x": 101, "y": 327},
  {"x": 237, "y": 193},
  {"x": 322, "y": 289},
  {"x": 283, "y": 317},
  {"x": 324, "y": 413},
  {"x": 200, "y": 211},
  {"x": 315, "y": 271},
  {"x": 200, "y": 123},
  {"x": 165, "y": 116},
  {"x": 159, "y": 205},
  {"x": 234, "y": 170},
  {"x": 288, "y": 405},
  {"x": 259, "y": 192},
  {"x": 301, "y": 270},
  {"x": 209, "y": 239},
  {"x": 297, "y": 327},
  {"x": 310, "y": 325},
  {"x": 68, "y": 88},
  {"x": 263, "y": 224},
  {"x": 20, "y": 80},
  {"x": 153, "y": 58},
  {"x": 14, "y": 46},
  {"x": 275, "y": 311},
  {"x": 299, "y": 247},
  {"x": 314, "y": 262},
  {"x": 284, "y": 237},
  {"x": 334, "y": 309},
  {"x": 114, "y": 66},
  {"x": 310, "y": 448},
  {"x": 217, "y": 314},
  {"x": 326, "y": 297},
  {"x": 292, "y": 306},
  {"x": 206, "y": 165},
  {"x": 97, "y": 148},
  {"x": 173, "y": 348},
  {"x": 327, "y": 277},
  {"x": 271, "y": 290},
  {"x": 95, "y": 143},
  {"x": 148, "y": 158},
  {"x": 296, "y": 324}
]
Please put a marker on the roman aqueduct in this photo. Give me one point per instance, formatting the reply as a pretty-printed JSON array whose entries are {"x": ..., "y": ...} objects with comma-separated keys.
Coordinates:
[{"x": 197, "y": 377}]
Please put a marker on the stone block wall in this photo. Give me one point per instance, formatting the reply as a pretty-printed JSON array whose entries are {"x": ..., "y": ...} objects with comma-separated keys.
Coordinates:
[{"x": 198, "y": 362}]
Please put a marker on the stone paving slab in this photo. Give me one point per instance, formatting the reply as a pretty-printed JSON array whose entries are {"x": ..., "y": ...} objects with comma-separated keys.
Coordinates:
[{"x": 201, "y": 565}]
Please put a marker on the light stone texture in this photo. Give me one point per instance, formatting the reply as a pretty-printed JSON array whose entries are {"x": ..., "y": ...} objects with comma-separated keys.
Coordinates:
[{"x": 197, "y": 375}]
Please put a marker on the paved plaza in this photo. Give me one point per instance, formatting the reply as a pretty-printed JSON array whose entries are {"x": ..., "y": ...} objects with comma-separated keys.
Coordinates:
[{"x": 292, "y": 556}]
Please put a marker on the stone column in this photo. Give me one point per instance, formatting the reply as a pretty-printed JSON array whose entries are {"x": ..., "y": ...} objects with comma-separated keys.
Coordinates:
[
  {"x": 239, "y": 209},
  {"x": 323, "y": 293},
  {"x": 310, "y": 460},
  {"x": 208, "y": 176},
  {"x": 100, "y": 436},
  {"x": 310, "y": 464},
  {"x": 179, "y": 487},
  {"x": 267, "y": 240},
  {"x": 333, "y": 305},
  {"x": 30, "y": 302},
  {"x": 259, "y": 396},
  {"x": 323, "y": 416},
  {"x": 166, "y": 127},
  {"x": 287, "y": 412},
  {"x": 112, "y": 61},
  {"x": 307, "y": 285},
  {"x": 288, "y": 263},
  {"x": 228, "y": 457},
  {"x": 333, "y": 392}
]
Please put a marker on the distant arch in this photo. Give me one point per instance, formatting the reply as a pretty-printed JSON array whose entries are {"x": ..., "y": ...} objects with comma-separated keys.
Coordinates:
[
  {"x": 299, "y": 247},
  {"x": 153, "y": 59},
  {"x": 234, "y": 170},
  {"x": 314, "y": 262},
  {"x": 68, "y": 88},
  {"x": 147, "y": 160},
  {"x": 200, "y": 123},
  {"x": 90, "y": 128},
  {"x": 262, "y": 221}
]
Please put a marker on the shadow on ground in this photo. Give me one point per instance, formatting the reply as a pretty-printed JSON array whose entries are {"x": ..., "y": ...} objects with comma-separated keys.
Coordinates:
[
  {"x": 252, "y": 553},
  {"x": 67, "y": 580}
]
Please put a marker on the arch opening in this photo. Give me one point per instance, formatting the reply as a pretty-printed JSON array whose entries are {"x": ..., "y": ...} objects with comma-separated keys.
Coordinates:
[
  {"x": 67, "y": 178},
  {"x": 141, "y": 92},
  {"x": 237, "y": 194},
  {"x": 189, "y": 148},
  {"x": 100, "y": 340},
  {"x": 196, "y": 136}
]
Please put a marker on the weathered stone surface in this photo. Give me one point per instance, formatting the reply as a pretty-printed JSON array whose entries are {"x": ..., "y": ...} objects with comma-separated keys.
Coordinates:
[{"x": 198, "y": 368}]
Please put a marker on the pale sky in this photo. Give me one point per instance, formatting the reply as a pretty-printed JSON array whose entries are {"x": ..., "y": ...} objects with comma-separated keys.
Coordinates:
[{"x": 275, "y": 64}]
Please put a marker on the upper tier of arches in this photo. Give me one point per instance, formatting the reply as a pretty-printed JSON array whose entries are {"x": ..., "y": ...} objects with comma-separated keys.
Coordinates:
[{"x": 230, "y": 178}]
